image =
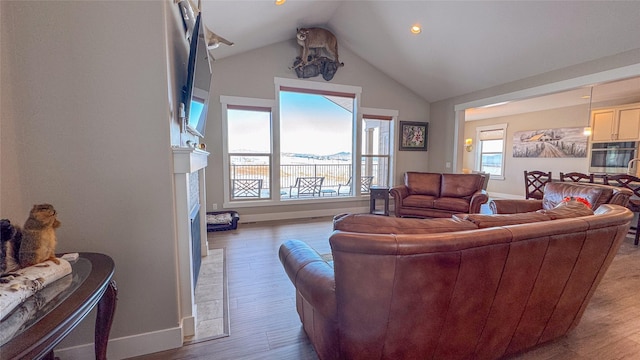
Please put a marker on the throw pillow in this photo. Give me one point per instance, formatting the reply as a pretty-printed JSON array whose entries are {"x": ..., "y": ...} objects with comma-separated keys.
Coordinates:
[{"x": 569, "y": 208}]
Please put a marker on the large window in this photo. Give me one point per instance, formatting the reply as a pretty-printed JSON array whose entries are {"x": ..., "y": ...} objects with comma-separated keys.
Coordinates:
[
  {"x": 314, "y": 147},
  {"x": 491, "y": 140},
  {"x": 316, "y": 141}
]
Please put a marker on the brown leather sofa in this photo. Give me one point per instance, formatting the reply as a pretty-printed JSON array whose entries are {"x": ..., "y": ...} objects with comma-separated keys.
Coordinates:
[
  {"x": 438, "y": 195},
  {"x": 554, "y": 192},
  {"x": 472, "y": 286}
]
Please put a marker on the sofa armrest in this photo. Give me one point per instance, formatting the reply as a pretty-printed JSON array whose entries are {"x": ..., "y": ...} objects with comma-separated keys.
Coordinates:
[
  {"x": 508, "y": 206},
  {"x": 477, "y": 199},
  {"x": 398, "y": 193},
  {"x": 311, "y": 275}
]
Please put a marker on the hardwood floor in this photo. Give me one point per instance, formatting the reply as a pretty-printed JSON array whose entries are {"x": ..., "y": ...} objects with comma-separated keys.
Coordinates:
[{"x": 264, "y": 323}]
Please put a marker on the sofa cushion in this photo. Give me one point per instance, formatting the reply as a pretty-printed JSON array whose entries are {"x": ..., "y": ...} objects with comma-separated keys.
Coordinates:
[
  {"x": 376, "y": 224},
  {"x": 421, "y": 201},
  {"x": 451, "y": 204},
  {"x": 460, "y": 185},
  {"x": 486, "y": 221},
  {"x": 555, "y": 192},
  {"x": 567, "y": 209},
  {"x": 423, "y": 183}
]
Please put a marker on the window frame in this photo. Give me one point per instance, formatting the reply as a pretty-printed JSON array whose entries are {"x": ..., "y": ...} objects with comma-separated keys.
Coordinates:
[
  {"x": 235, "y": 102},
  {"x": 392, "y": 117},
  {"x": 478, "y": 162},
  {"x": 312, "y": 87}
]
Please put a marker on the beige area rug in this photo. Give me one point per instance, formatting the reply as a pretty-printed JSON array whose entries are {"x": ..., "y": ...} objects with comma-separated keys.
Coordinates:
[{"x": 211, "y": 299}]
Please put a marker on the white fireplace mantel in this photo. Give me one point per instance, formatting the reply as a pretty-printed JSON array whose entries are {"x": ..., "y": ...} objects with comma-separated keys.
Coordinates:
[{"x": 188, "y": 162}]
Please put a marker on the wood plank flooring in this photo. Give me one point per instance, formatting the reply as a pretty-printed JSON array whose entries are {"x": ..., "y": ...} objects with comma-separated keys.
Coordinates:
[{"x": 264, "y": 323}]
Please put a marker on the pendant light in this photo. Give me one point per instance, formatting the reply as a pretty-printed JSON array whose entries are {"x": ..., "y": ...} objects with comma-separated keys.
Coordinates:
[{"x": 587, "y": 130}]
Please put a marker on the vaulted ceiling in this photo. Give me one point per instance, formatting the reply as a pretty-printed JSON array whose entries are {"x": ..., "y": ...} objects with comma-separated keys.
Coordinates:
[{"x": 464, "y": 46}]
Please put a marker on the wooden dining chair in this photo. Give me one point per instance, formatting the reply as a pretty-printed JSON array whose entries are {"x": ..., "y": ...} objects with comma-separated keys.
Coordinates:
[
  {"x": 632, "y": 183},
  {"x": 576, "y": 177},
  {"x": 534, "y": 182}
]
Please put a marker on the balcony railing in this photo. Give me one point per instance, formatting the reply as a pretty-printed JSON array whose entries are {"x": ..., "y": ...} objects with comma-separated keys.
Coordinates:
[{"x": 334, "y": 175}]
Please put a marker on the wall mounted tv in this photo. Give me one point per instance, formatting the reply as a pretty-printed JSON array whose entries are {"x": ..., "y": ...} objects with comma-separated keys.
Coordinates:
[{"x": 196, "y": 91}]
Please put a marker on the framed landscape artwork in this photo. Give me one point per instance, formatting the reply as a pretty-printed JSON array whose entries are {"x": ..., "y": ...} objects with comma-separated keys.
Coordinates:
[
  {"x": 550, "y": 143},
  {"x": 413, "y": 135}
]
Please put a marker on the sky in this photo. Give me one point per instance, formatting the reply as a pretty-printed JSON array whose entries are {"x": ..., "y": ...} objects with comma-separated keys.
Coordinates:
[{"x": 310, "y": 124}]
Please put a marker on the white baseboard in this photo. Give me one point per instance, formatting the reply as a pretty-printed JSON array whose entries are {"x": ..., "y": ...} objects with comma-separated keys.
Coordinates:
[
  {"x": 300, "y": 214},
  {"x": 129, "y": 346},
  {"x": 189, "y": 324}
]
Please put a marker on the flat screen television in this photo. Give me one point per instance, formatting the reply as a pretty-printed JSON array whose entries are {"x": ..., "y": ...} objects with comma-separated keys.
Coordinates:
[{"x": 196, "y": 91}]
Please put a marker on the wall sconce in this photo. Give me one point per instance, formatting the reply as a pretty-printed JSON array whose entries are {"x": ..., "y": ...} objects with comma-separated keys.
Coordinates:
[{"x": 468, "y": 144}]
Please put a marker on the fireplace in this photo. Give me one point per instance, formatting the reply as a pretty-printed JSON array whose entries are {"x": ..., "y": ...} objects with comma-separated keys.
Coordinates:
[
  {"x": 196, "y": 253},
  {"x": 191, "y": 238}
]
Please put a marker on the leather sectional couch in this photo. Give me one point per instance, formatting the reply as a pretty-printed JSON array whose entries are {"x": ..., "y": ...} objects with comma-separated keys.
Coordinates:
[
  {"x": 438, "y": 195},
  {"x": 472, "y": 286},
  {"x": 555, "y": 192}
]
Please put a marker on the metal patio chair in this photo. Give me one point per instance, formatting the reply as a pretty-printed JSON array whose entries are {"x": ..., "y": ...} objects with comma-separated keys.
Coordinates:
[
  {"x": 246, "y": 188},
  {"x": 305, "y": 186}
]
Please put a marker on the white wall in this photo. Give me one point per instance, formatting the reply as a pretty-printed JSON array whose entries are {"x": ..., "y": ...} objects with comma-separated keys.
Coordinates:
[
  {"x": 85, "y": 127},
  {"x": 252, "y": 75}
]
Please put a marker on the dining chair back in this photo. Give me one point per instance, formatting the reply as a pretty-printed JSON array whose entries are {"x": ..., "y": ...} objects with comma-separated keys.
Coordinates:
[
  {"x": 576, "y": 177},
  {"x": 632, "y": 183},
  {"x": 534, "y": 182}
]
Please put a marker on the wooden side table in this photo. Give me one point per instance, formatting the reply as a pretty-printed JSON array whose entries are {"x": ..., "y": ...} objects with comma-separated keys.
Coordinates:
[
  {"x": 381, "y": 193},
  {"x": 92, "y": 286}
]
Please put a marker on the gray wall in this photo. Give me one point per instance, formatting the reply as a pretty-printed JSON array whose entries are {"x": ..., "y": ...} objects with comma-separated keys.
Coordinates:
[
  {"x": 574, "y": 116},
  {"x": 448, "y": 144},
  {"x": 86, "y": 127},
  {"x": 252, "y": 75}
]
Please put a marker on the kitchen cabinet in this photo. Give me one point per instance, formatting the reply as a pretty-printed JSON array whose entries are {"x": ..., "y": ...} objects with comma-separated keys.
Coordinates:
[{"x": 616, "y": 124}]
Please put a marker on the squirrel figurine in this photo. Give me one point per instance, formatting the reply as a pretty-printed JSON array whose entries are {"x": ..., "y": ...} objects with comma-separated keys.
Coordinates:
[{"x": 39, "y": 236}]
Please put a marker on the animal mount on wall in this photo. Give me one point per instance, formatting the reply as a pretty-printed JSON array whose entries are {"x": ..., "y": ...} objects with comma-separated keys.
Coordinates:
[{"x": 313, "y": 63}]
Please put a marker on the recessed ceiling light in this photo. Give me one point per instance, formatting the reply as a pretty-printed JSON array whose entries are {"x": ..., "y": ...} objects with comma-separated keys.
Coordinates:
[
  {"x": 585, "y": 97},
  {"x": 416, "y": 29},
  {"x": 280, "y": 2}
]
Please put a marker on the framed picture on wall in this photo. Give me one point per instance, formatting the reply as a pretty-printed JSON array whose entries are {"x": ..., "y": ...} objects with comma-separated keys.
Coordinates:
[{"x": 413, "y": 136}]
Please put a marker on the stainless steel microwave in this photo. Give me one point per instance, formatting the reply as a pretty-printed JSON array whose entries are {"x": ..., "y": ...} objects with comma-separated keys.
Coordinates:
[{"x": 614, "y": 157}]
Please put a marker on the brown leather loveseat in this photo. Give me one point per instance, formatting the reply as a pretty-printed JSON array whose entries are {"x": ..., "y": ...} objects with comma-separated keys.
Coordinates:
[
  {"x": 438, "y": 195},
  {"x": 468, "y": 287}
]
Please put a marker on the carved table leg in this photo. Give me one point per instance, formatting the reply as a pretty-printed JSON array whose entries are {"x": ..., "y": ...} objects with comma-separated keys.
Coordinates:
[{"x": 104, "y": 318}]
